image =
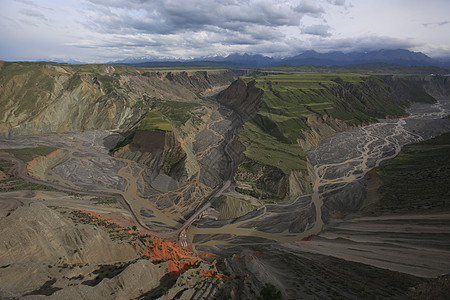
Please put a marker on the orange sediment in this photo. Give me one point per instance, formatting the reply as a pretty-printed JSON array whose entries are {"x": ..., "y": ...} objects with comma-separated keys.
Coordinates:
[
  {"x": 396, "y": 117},
  {"x": 206, "y": 255},
  {"x": 307, "y": 238},
  {"x": 179, "y": 258},
  {"x": 36, "y": 167},
  {"x": 213, "y": 274}
]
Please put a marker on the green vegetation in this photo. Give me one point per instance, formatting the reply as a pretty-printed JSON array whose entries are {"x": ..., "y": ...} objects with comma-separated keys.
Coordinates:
[
  {"x": 271, "y": 137},
  {"x": 418, "y": 179},
  {"x": 354, "y": 98},
  {"x": 104, "y": 200},
  {"x": 294, "y": 80},
  {"x": 74, "y": 82},
  {"x": 79, "y": 216},
  {"x": 153, "y": 120},
  {"x": 265, "y": 148},
  {"x": 289, "y": 98},
  {"x": 370, "y": 68},
  {"x": 178, "y": 112},
  {"x": 28, "y": 154}
]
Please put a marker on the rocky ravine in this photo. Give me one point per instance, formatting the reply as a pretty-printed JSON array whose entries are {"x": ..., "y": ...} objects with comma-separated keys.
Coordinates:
[{"x": 166, "y": 182}]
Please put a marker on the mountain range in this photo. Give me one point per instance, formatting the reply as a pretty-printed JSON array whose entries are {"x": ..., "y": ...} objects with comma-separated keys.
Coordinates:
[{"x": 311, "y": 57}]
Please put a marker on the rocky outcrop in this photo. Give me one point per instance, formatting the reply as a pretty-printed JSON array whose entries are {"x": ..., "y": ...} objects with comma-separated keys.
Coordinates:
[
  {"x": 242, "y": 97},
  {"x": 321, "y": 127},
  {"x": 49, "y": 98},
  {"x": 437, "y": 86},
  {"x": 152, "y": 140},
  {"x": 230, "y": 207},
  {"x": 158, "y": 150},
  {"x": 199, "y": 81},
  {"x": 261, "y": 181},
  {"x": 129, "y": 284}
]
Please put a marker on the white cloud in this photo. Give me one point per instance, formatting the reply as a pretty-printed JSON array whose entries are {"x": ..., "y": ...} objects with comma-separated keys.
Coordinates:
[
  {"x": 310, "y": 8},
  {"x": 101, "y": 30},
  {"x": 318, "y": 29}
]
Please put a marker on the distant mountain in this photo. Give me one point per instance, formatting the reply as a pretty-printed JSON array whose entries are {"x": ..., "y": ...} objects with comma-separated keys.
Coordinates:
[
  {"x": 399, "y": 56},
  {"x": 62, "y": 61},
  {"x": 237, "y": 60},
  {"x": 311, "y": 57},
  {"x": 245, "y": 59},
  {"x": 143, "y": 59}
]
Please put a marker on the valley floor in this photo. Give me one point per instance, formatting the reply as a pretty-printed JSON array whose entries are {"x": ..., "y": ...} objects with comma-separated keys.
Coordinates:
[
  {"x": 414, "y": 244},
  {"x": 409, "y": 243}
]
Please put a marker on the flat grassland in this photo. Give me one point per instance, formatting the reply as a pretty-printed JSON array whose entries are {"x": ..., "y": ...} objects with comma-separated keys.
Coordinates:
[{"x": 154, "y": 120}]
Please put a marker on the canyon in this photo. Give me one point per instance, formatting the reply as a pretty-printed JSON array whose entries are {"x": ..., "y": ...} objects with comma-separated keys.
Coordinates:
[{"x": 219, "y": 182}]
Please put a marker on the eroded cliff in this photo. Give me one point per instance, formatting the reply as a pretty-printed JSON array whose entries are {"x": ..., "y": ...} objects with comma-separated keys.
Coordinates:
[
  {"x": 43, "y": 97},
  {"x": 294, "y": 112}
]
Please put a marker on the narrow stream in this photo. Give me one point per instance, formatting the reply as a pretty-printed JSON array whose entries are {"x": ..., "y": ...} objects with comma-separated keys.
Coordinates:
[{"x": 339, "y": 164}]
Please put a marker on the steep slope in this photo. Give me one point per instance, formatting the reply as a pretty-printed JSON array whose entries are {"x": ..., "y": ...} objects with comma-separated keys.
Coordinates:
[
  {"x": 437, "y": 86},
  {"x": 260, "y": 129},
  {"x": 242, "y": 97},
  {"x": 417, "y": 180},
  {"x": 36, "y": 236},
  {"x": 295, "y": 111},
  {"x": 43, "y": 254},
  {"x": 43, "y": 97}
]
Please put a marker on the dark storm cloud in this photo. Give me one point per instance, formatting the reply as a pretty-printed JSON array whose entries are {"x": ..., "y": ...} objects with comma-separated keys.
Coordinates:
[
  {"x": 169, "y": 17},
  {"x": 98, "y": 30},
  {"x": 319, "y": 30}
]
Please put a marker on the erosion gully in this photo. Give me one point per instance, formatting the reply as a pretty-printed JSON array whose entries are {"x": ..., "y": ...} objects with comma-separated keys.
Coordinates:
[{"x": 337, "y": 162}]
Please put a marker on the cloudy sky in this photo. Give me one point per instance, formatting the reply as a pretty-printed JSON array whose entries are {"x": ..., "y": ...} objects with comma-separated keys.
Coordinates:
[{"x": 105, "y": 30}]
